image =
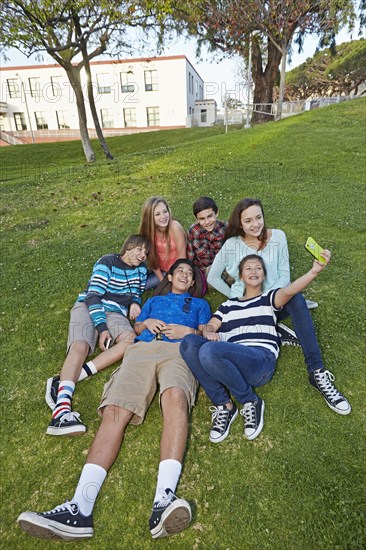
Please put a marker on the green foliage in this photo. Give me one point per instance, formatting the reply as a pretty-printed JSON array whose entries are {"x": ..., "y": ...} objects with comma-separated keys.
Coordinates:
[
  {"x": 300, "y": 485},
  {"x": 329, "y": 72}
]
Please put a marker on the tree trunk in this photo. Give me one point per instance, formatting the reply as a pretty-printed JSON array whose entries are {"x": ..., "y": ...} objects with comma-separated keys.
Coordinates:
[
  {"x": 264, "y": 80},
  {"x": 93, "y": 109},
  {"x": 73, "y": 74}
]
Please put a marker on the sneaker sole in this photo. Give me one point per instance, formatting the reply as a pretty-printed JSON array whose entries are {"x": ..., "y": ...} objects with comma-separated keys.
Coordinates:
[
  {"x": 224, "y": 436},
  {"x": 71, "y": 430},
  {"x": 50, "y": 402},
  {"x": 176, "y": 518},
  {"x": 40, "y": 527},
  {"x": 260, "y": 426}
]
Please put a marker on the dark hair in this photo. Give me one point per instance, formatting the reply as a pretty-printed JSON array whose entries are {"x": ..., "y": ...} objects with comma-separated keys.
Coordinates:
[
  {"x": 133, "y": 241},
  {"x": 198, "y": 289},
  {"x": 203, "y": 203},
  {"x": 234, "y": 228},
  {"x": 244, "y": 260}
]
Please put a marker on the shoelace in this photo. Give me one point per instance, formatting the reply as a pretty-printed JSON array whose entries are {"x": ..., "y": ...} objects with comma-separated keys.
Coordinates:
[
  {"x": 248, "y": 412},
  {"x": 219, "y": 417},
  {"x": 164, "y": 501},
  {"x": 69, "y": 417},
  {"x": 325, "y": 379},
  {"x": 70, "y": 506}
]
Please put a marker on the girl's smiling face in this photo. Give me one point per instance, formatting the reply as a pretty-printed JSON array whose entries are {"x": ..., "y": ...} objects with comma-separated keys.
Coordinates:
[
  {"x": 252, "y": 273},
  {"x": 252, "y": 221},
  {"x": 161, "y": 216}
]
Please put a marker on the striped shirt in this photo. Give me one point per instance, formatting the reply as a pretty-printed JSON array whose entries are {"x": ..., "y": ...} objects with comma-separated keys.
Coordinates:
[
  {"x": 113, "y": 286},
  {"x": 250, "y": 322}
]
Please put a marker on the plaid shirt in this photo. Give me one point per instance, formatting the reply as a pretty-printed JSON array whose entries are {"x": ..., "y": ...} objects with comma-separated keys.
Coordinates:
[{"x": 202, "y": 245}]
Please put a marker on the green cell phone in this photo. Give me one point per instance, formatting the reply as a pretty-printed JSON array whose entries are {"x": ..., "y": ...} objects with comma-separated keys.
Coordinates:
[{"x": 315, "y": 249}]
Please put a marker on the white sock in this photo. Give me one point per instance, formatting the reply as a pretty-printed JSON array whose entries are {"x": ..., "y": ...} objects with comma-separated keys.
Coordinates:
[
  {"x": 90, "y": 483},
  {"x": 168, "y": 477},
  {"x": 87, "y": 370}
]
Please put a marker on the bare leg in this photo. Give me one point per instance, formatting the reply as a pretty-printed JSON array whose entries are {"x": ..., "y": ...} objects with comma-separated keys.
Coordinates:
[
  {"x": 74, "y": 361},
  {"x": 116, "y": 352},
  {"x": 109, "y": 437},
  {"x": 175, "y": 424}
]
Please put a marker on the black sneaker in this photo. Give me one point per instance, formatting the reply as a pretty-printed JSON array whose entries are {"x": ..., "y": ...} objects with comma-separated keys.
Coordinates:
[
  {"x": 288, "y": 336},
  {"x": 322, "y": 380},
  {"x": 222, "y": 418},
  {"x": 51, "y": 391},
  {"x": 170, "y": 515},
  {"x": 66, "y": 424},
  {"x": 253, "y": 413},
  {"x": 63, "y": 522}
]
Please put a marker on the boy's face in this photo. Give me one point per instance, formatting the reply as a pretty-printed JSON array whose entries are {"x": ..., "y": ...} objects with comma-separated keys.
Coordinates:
[
  {"x": 135, "y": 256},
  {"x": 207, "y": 219},
  {"x": 182, "y": 279}
]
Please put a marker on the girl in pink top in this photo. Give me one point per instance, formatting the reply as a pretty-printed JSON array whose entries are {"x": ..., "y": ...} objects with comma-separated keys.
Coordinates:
[{"x": 167, "y": 235}]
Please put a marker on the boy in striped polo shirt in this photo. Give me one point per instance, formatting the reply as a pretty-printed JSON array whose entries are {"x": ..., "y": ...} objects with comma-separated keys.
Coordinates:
[{"x": 99, "y": 315}]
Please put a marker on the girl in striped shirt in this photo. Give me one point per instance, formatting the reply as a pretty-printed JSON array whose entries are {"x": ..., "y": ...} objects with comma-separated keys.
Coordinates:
[{"x": 240, "y": 346}]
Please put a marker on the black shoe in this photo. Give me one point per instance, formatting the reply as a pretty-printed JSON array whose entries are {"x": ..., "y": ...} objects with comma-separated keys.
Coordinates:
[
  {"x": 288, "y": 336},
  {"x": 63, "y": 522},
  {"x": 222, "y": 419},
  {"x": 322, "y": 380},
  {"x": 66, "y": 424},
  {"x": 253, "y": 413},
  {"x": 51, "y": 391},
  {"x": 170, "y": 515}
]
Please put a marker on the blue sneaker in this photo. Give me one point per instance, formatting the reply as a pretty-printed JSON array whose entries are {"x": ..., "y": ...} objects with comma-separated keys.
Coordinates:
[
  {"x": 63, "y": 522},
  {"x": 170, "y": 515}
]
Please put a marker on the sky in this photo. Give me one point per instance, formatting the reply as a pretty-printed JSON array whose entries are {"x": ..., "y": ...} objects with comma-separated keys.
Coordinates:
[{"x": 220, "y": 74}]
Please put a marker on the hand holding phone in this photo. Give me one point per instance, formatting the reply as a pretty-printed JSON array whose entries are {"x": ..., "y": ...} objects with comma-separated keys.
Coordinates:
[
  {"x": 315, "y": 249},
  {"x": 107, "y": 343}
]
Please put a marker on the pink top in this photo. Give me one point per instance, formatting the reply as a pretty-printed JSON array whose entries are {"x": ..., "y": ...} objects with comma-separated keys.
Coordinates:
[{"x": 165, "y": 261}]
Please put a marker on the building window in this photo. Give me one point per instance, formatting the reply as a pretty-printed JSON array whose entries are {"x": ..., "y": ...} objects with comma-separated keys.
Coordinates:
[
  {"x": 41, "y": 121},
  {"x": 56, "y": 83},
  {"x": 107, "y": 118},
  {"x": 151, "y": 81},
  {"x": 62, "y": 120},
  {"x": 153, "y": 116},
  {"x": 189, "y": 83},
  {"x": 13, "y": 87},
  {"x": 35, "y": 87},
  {"x": 104, "y": 83},
  {"x": 20, "y": 123},
  {"x": 203, "y": 115},
  {"x": 129, "y": 117},
  {"x": 127, "y": 84}
]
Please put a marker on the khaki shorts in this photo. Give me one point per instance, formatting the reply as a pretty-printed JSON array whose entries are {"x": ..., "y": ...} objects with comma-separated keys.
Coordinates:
[
  {"x": 145, "y": 366},
  {"x": 82, "y": 329}
]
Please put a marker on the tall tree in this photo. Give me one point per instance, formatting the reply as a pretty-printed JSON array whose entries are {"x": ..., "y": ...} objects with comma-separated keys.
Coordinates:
[
  {"x": 329, "y": 72},
  {"x": 74, "y": 32},
  {"x": 271, "y": 27}
]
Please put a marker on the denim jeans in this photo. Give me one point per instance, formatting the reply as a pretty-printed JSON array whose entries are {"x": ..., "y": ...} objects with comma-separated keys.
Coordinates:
[
  {"x": 223, "y": 367},
  {"x": 302, "y": 322},
  {"x": 152, "y": 280}
]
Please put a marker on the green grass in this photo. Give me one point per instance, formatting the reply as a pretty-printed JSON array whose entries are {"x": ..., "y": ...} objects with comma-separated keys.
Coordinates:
[{"x": 300, "y": 485}]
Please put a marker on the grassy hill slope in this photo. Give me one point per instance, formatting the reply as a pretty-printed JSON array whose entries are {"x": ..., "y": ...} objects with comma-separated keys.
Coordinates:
[{"x": 300, "y": 485}]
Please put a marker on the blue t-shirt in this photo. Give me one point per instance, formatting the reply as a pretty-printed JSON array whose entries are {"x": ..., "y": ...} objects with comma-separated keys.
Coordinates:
[{"x": 178, "y": 309}]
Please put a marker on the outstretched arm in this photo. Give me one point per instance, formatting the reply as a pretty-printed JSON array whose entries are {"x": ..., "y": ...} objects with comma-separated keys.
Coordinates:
[{"x": 284, "y": 295}]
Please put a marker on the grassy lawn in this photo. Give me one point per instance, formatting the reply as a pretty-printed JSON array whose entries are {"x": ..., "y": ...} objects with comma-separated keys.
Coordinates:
[{"x": 300, "y": 485}]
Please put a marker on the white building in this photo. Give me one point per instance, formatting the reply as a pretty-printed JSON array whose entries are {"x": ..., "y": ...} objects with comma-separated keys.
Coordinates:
[{"x": 37, "y": 102}]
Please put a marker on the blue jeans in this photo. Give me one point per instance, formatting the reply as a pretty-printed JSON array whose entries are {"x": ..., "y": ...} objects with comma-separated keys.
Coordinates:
[
  {"x": 302, "y": 322},
  {"x": 224, "y": 368},
  {"x": 152, "y": 280}
]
